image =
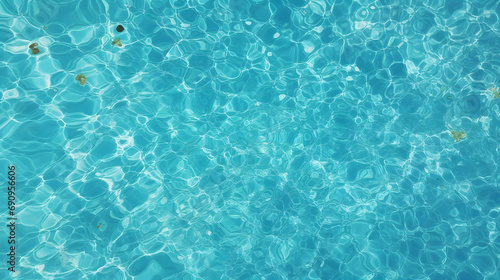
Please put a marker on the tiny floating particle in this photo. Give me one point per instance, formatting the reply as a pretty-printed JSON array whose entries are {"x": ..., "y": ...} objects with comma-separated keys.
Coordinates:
[
  {"x": 117, "y": 42},
  {"x": 120, "y": 28},
  {"x": 45, "y": 28},
  {"x": 102, "y": 226},
  {"x": 458, "y": 135},
  {"x": 34, "y": 48},
  {"x": 442, "y": 88},
  {"x": 82, "y": 79}
]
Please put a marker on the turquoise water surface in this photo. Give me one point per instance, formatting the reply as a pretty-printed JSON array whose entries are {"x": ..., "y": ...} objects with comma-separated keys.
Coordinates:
[{"x": 248, "y": 139}]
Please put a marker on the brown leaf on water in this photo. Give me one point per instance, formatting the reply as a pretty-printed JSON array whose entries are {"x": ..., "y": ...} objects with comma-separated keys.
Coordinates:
[{"x": 34, "y": 49}]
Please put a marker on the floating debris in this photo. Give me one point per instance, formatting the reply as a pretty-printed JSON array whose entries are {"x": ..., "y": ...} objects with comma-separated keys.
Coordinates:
[
  {"x": 34, "y": 49},
  {"x": 117, "y": 42},
  {"x": 120, "y": 28},
  {"x": 458, "y": 135},
  {"x": 82, "y": 79},
  {"x": 102, "y": 226},
  {"x": 45, "y": 28},
  {"x": 496, "y": 93}
]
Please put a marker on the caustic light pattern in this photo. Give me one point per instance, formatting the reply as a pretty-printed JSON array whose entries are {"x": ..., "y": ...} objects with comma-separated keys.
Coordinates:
[{"x": 239, "y": 139}]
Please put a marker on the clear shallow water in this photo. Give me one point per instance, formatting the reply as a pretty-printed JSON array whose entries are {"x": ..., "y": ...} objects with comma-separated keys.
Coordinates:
[{"x": 253, "y": 139}]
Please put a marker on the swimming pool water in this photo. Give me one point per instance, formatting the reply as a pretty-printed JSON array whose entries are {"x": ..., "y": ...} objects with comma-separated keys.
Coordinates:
[{"x": 249, "y": 139}]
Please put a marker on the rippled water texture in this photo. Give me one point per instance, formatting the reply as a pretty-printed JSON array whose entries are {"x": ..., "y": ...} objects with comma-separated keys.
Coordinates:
[{"x": 232, "y": 139}]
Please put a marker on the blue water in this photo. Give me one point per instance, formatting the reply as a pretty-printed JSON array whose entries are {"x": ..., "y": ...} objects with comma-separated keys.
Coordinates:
[{"x": 233, "y": 139}]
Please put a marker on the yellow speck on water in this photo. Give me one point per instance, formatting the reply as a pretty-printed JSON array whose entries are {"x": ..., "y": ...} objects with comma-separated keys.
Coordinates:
[
  {"x": 82, "y": 79},
  {"x": 117, "y": 42},
  {"x": 442, "y": 88},
  {"x": 441, "y": 187},
  {"x": 458, "y": 135}
]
